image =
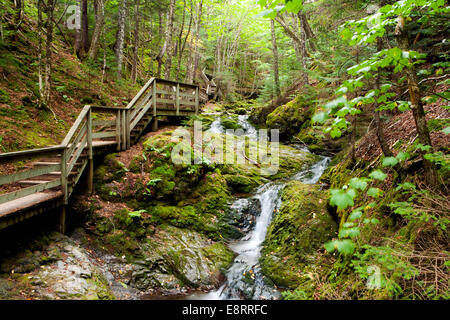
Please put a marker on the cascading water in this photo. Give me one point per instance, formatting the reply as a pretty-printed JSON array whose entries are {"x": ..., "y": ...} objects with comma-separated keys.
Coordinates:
[
  {"x": 244, "y": 278},
  {"x": 249, "y": 130}
]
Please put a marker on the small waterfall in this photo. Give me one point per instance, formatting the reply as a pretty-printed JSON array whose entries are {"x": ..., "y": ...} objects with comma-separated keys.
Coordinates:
[
  {"x": 249, "y": 130},
  {"x": 244, "y": 278}
]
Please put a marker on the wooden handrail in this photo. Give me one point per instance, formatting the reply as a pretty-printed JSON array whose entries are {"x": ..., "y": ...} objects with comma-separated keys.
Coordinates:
[{"x": 17, "y": 155}]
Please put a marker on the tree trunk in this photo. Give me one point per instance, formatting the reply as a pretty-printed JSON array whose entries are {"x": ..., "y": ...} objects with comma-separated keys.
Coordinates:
[
  {"x": 378, "y": 122},
  {"x": 416, "y": 103},
  {"x": 84, "y": 27},
  {"x": 136, "y": 42},
  {"x": 275, "y": 59},
  {"x": 198, "y": 22},
  {"x": 168, "y": 36},
  {"x": 99, "y": 20},
  {"x": 120, "y": 37},
  {"x": 303, "y": 48},
  {"x": 45, "y": 71}
]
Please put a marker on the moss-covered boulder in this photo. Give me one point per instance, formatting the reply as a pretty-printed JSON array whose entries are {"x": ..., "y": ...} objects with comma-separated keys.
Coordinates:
[
  {"x": 240, "y": 183},
  {"x": 177, "y": 258},
  {"x": 290, "y": 117},
  {"x": 297, "y": 233}
]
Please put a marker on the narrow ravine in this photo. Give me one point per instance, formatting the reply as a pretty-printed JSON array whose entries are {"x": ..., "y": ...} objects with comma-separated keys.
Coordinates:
[{"x": 244, "y": 279}]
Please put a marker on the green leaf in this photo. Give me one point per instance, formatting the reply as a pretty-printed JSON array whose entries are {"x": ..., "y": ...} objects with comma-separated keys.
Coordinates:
[
  {"x": 356, "y": 214},
  {"x": 374, "y": 192},
  {"x": 358, "y": 183},
  {"x": 341, "y": 199},
  {"x": 136, "y": 214},
  {"x": 320, "y": 117},
  {"x": 446, "y": 130},
  {"x": 389, "y": 161},
  {"x": 402, "y": 156},
  {"x": 345, "y": 246},
  {"x": 349, "y": 233},
  {"x": 378, "y": 175}
]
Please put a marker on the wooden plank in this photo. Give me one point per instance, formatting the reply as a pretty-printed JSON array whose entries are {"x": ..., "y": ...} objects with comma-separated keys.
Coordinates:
[
  {"x": 19, "y": 155},
  {"x": 174, "y": 113},
  {"x": 140, "y": 115},
  {"x": 76, "y": 155},
  {"x": 118, "y": 130},
  {"x": 170, "y": 82},
  {"x": 107, "y": 134},
  {"x": 154, "y": 98},
  {"x": 28, "y": 174},
  {"x": 188, "y": 103},
  {"x": 76, "y": 141},
  {"x": 177, "y": 99},
  {"x": 72, "y": 186},
  {"x": 136, "y": 98},
  {"x": 124, "y": 135},
  {"x": 73, "y": 129},
  {"x": 196, "y": 100},
  {"x": 30, "y": 190},
  {"x": 96, "y": 123},
  {"x": 159, "y": 100},
  {"x": 187, "y": 95},
  {"x": 26, "y": 202}
]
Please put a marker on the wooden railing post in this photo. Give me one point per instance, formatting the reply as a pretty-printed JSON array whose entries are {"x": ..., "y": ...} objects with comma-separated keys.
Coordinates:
[
  {"x": 118, "y": 130},
  {"x": 154, "y": 98},
  {"x": 123, "y": 130},
  {"x": 90, "y": 153},
  {"x": 64, "y": 188},
  {"x": 196, "y": 100},
  {"x": 128, "y": 129},
  {"x": 177, "y": 101}
]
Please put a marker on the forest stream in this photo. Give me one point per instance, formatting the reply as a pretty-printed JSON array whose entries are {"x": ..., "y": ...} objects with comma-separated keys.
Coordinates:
[{"x": 248, "y": 248}]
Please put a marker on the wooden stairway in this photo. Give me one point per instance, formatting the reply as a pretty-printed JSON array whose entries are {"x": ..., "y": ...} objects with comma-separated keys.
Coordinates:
[{"x": 51, "y": 176}]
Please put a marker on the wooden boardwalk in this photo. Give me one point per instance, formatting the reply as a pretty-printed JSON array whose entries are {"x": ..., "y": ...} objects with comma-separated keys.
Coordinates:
[{"x": 50, "y": 179}]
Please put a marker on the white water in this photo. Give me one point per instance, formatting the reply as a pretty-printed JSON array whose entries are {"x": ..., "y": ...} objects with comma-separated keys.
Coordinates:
[
  {"x": 248, "y": 249},
  {"x": 249, "y": 130}
]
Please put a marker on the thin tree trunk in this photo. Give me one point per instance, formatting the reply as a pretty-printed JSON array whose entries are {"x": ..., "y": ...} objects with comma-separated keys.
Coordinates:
[
  {"x": 169, "y": 31},
  {"x": 303, "y": 48},
  {"x": 197, "y": 37},
  {"x": 120, "y": 37},
  {"x": 416, "y": 103},
  {"x": 378, "y": 122},
  {"x": 99, "y": 20},
  {"x": 275, "y": 59},
  {"x": 84, "y": 26},
  {"x": 136, "y": 42}
]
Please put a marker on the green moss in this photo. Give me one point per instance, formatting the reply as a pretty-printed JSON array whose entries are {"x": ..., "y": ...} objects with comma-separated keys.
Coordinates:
[
  {"x": 4, "y": 97},
  {"x": 241, "y": 184},
  {"x": 230, "y": 122},
  {"x": 298, "y": 231},
  {"x": 220, "y": 254},
  {"x": 290, "y": 117}
]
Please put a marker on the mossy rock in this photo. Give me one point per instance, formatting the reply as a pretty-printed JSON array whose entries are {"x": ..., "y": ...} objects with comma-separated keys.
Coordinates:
[
  {"x": 290, "y": 117},
  {"x": 298, "y": 231},
  {"x": 241, "y": 184}
]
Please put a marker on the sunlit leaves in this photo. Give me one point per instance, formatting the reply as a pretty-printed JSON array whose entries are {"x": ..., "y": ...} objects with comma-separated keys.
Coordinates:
[
  {"x": 374, "y": 192},
  {"x": 378, "y": 175},
  {"x": 389, "y": 162},
  {"x": 358, "y": 183},
  {"x": 342, "y": 199},
  {"x": 345, "y": 246}
]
